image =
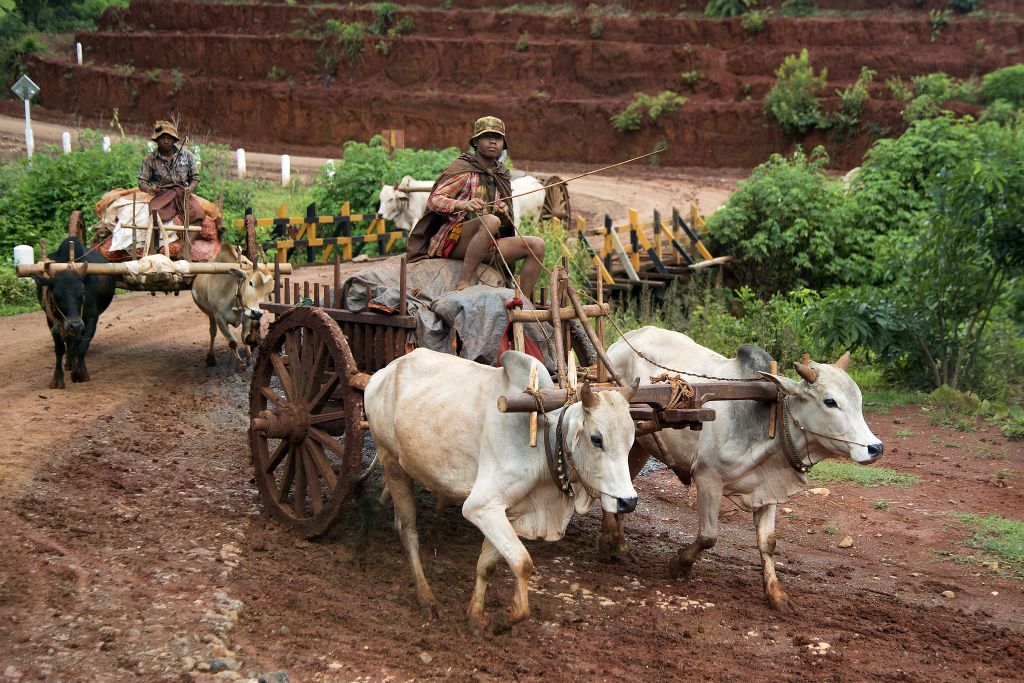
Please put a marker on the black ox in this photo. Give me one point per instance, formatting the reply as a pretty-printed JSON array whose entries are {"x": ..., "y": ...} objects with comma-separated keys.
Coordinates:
[{"x": 73, "y": 305}]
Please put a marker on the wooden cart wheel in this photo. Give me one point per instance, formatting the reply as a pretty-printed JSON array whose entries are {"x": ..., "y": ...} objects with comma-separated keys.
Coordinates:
[
  {"x": 556, "y": 201},
  {"x": 304, "y": 434}
]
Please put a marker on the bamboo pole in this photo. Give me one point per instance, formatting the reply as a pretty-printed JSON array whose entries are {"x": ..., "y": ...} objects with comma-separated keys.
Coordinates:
[{"x": 214, "y": 268}]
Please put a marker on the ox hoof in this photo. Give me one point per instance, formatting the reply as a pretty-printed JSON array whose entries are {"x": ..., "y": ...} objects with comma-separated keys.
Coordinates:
[
  {"x": 211, "y": 361},
  {"x": 82, "y": 376},
  {"x": 679, "y": 569},
  {"x": 479, "y": 625},
  {"x": 616, "y": 553},
  {"x": 430, "y": 612},
  {"x": 57, "y": 383},
  {"x": 781, "y": 603}
]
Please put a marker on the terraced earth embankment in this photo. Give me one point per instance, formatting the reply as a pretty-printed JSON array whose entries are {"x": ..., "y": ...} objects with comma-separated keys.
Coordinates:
[{"x": 256, "y": 73}]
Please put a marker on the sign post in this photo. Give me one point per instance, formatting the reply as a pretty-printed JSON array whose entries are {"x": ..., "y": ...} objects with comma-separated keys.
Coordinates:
[{"x": 26, "y": 90}]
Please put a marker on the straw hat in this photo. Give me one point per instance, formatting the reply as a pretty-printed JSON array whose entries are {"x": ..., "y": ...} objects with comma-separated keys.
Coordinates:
[
  {"x": 164, "y": 128},
  {"x": 489, "y": 124}
]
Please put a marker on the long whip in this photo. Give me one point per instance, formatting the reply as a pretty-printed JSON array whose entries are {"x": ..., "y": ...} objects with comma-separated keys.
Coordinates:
[{"x": 581, "y": 175}]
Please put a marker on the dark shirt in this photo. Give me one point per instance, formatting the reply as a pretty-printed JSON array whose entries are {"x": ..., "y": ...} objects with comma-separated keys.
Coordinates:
[{"x": 180, "y": 169}]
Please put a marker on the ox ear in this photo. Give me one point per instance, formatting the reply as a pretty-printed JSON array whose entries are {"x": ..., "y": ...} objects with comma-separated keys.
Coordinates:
[
  {"x": 238, "y": 273},
  {"x": 42, "y": 280},
  {"x": 807, "y": 372},
  {"x": 588, "y": 397},
  {"x": 785, "y": 384},
  {"x": 844, "y": 361}
]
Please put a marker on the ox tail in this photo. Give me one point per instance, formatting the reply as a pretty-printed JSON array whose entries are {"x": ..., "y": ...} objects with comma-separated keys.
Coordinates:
[{"x": 367, "y": 505}]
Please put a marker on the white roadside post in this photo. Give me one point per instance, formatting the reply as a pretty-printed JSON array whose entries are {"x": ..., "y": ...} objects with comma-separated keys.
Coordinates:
[
  {"x": 240, "y": 159},
  {"x": 286, "y": 170},
  {"x": 106, "y": 143},
  {"x": 78, "y": 53},
  {"x": 23, "y": 255},
  {"x": 65, "y": 142},
  {"x": 26, "y": 90}
]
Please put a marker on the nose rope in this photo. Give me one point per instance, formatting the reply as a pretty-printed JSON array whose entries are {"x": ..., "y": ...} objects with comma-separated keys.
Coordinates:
[
  {"x": 49, "y": 306},
  {"x": 560, "y": 462}
]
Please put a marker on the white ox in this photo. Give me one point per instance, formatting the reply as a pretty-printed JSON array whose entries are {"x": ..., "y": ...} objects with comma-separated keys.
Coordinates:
[
  {"x": 405, "y": 209},
  {"x": 733, "y": 456},
  {"x": 435, "y": 421},
  {"x": 233, "y": 299}
]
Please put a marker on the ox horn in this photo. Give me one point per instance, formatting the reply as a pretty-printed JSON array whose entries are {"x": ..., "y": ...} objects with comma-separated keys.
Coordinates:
[
  {"x": 807, "y": 372},
  {"x": 588, "y": 397},
  {"x": 630, "y": 391},
  {"x": 843, "y": 362}
]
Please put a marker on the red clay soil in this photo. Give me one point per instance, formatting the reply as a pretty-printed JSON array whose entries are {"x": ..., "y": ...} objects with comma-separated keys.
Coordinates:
[
  {"x": 250, "y": 72},
  {"x": 133, "y": 546}
]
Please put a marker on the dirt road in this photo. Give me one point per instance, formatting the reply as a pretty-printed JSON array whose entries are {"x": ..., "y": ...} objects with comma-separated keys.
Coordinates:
[{"x": 133, "y": 546}]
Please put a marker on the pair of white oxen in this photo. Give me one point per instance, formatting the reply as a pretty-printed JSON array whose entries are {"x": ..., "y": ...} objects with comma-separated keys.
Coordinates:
[
  {"x": 406, "y": 208},
  {"x": 435, "y": 421}
]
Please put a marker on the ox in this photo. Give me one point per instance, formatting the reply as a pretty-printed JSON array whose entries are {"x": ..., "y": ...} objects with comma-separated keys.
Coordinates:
[
  {"x": 465, "y": 450},
  {"x": 406, "y": 208},
  {"x": 73, "y": 304},
  {"x": 733, "y": 455},
  {"x": 233, "y": 299}
]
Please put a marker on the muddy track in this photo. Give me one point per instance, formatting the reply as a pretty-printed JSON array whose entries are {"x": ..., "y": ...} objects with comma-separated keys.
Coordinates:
[{"x": 134, "y": 547}]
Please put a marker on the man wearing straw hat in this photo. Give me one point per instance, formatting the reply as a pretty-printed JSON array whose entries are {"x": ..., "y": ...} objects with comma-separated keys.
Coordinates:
[
  {"x": 469, "y": 213},
  {"x": 168, "y": 173}
]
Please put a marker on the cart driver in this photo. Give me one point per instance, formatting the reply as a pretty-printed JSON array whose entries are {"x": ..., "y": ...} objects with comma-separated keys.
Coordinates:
[
  {"x": 170, "y": 174},
  {"x": 469, "y": 213}
]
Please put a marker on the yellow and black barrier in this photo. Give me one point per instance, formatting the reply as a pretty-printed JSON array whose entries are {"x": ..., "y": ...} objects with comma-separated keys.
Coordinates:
[{"x": 328, "y": 233}]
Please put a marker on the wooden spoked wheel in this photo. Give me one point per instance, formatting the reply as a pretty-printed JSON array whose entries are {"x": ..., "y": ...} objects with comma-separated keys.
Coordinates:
[
  {"x": 305, "y": 433},
  {"x": 556, "y": 201}
]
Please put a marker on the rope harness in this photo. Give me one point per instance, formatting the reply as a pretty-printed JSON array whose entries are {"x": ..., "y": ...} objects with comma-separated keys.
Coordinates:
[
  {"x": 789, "y": 447},
  {"x": 50, "y": 306},
  {"x": 682, "y": 392},
  {"x": 560, "y": 461}
]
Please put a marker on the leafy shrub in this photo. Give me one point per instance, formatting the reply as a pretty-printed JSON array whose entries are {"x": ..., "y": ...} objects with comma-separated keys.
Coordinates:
[
  {"x": 596, "y": 28},
  {"x": 632, "y": 117},
  {"x": 347, "y": 38},
  {"x": 922, "y": 107},
  {"x": 755, "y": 20},
  {"x": 900, "y": 91},
  {"x": 798, "y": 8},
  {"x": 965, "y": 6},
  {"x": 38, "y": 195},
  {"x": 938, "y": 20},
  {"x": 785, "y": 226},
  {"x": 1001, "y": 111},
  {"x": 17, "y": 294},
  {"x": 793, "y": 100},
  {"x": 523, "y": 42},
  {"x": 728, "y": 8},
  {"x": 358, "y": 175},
  {"x": 852, "y": 101},
  {"x": 1005, "y": 84},
  {"x": 691, "y": 78}
]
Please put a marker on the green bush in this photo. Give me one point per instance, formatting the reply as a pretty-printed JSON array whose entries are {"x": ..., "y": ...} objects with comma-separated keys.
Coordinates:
[
  {"x": 793, "y": 100},
  {"x": 1001, "y": 111},
  {"x": 1005, "y": 84},
  {"x": 965, "y": 6},
  {"x": 798, "y": 8},
  {"x": 785, "y": 226},
  {"x": 357, "y": 177},
  {"x": 17, "y": 294},
  {"x": 728, "y": 8},
  {"x": 755, "y": 21},
  {"x": 852, "y": 101},
  {"x": 633, "y": 117}
]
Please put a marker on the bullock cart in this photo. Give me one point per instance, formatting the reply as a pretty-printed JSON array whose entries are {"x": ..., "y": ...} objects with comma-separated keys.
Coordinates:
[
  {"x": 148, "y": 272},
  {"x": 308, "y": 430}
]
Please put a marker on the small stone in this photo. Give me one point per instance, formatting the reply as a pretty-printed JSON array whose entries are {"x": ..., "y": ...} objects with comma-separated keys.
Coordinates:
[
  {"x": 426, "y": 657},
  {"x": 915, "y": 573},
  {"x": 787, "y": 510},
  {"x": 948, "y": 594},
  {"x": 335, "y": 666},
  {"x": 990, "y": 565},
  {"x": 995, "y": 592},
  {"x": 284, "y": 631},
  {"x": 227, "y": 676},
  {"x": 11, "y": 673},
  {"x": 108, "y": 634},
  {"x": 847, "y": 542},
  {"x": 274, "y": 677},
  {"x": 188, "y": 663},
  {"x": 822, "y": 491},
  {"x": 223, "y": 664},
  {"x": 863, "y": 515}
]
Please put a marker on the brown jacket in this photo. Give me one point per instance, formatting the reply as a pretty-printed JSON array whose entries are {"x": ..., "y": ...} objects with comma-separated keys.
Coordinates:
[{"x": 427, "y": 227}]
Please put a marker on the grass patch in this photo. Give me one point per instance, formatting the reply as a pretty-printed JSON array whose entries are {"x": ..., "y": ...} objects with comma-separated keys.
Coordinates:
[
  {"x": 879, "y": 396},
  {"x": 1003, "y": 538},
  {"x": 904, "y": 433},
  {"x": 882, "y": 505},
  {"x": 840, "y": 472}
]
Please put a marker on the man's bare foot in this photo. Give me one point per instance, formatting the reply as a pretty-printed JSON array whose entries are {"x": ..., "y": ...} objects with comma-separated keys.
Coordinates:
[{"x": 459, "y": 286}]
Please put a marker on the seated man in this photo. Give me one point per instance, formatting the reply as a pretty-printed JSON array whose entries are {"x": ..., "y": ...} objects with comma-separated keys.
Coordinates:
[
  {"x": 167, "y": 173},
  {"x": 469, "y": 213}
]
